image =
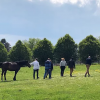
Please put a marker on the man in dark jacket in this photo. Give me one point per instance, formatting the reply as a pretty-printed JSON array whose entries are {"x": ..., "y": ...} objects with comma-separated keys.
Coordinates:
[
  {"x": 71, "y": 65},
  {"x": 88, "y": 64},
  {"x": 47, "y": 68},
  {"x": 51, "y": 68}
]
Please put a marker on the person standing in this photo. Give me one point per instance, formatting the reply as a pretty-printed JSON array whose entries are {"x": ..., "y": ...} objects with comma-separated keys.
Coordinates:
[
  {"x": 71, "y": 65},
  {"x": 35, "y": 68},
  {"x": 62, "y": 66},
  {"x": 51, "y": 68},
  {"x": 88, "y": 64},
  {"x": 47, "y": 68}
]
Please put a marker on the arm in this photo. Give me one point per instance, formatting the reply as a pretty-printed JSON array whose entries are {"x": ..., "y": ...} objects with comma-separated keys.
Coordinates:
[
  {"x": 60, "y": 64},
  {"x": 31, "y": 64},
  {"x": 38, "y": 64}
]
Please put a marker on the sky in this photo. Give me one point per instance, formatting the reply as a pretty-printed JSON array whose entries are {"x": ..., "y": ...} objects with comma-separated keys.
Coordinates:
[{"x": 51, "y": 19}]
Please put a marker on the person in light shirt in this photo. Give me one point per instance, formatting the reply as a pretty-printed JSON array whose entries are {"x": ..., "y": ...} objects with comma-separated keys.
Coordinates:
[
  {"x": 62, "y": 66},
  {"x": 35, "y": 67}
]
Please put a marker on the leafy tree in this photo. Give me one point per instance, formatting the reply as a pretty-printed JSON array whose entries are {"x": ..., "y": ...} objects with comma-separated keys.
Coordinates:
[
  {"x": 3, "y": 53},
  {"x": 89, "y": 46},
  {"x": 31, "y": 43},
  {"x": 6, "y": 44},
  {"x": 43, "y": 50},
  {"x": 98, "y": 38},
  {"x": 20, "y": 52},
  {"x": 66, "y": 48}
]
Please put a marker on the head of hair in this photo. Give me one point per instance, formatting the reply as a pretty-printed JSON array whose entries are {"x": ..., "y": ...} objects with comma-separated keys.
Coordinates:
[
  {"x": 62, "y": 58},
  {"x": 49, "y": 59},
  {"x": 36, "y": 59},
  {"x": 89, "y": 56}
]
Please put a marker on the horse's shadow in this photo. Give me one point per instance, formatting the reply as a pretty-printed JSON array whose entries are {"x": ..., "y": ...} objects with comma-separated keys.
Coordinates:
[{"x": 7, "y": 81}]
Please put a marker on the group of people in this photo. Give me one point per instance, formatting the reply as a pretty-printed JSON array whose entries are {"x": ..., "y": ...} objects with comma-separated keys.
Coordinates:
[{"x": 63, "y": 64}]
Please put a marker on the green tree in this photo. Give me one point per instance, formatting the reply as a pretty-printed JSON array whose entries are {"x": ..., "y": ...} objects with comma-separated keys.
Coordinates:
[
  {"x": 66, "y": 48},
  {"x": 31, "y": 42},
  {"x": 89, "y": 46},
  {"x": 3, "y": 53},
  {"x": 20, "y": 52},
  {"x": 6, "y": 44},
  {"x": 43, "y": 50},
  {"x": 98, "y": 38}
]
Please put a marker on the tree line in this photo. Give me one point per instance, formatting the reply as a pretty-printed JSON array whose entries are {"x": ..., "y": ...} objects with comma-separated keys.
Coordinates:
[{"x": 42, "y": 49}]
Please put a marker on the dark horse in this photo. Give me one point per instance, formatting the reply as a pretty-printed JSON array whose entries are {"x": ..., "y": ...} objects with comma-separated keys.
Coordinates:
[{"x": 12, "y": 66}]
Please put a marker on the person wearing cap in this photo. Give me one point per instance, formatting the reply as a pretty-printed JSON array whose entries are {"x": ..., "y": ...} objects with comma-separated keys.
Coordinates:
[
  {"x": 47, "y": 68},
  {"x": 62, "y": 66},
  {"x": 88, "y": 64},
  {"x": 35, "y": 67},
  {"x": 71, "y": 65}
]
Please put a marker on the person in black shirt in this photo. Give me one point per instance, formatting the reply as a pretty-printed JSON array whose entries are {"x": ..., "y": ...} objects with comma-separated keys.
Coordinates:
[
  {"x": 71, "y": 65},
  {"x": 88, "y": 64}
]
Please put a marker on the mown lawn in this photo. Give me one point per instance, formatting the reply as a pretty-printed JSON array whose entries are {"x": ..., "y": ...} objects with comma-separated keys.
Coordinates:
[{"x": 57, "y": 88}]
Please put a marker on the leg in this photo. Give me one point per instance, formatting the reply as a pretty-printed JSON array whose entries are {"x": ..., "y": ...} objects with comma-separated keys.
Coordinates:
[
  {"x": 5, "y": 74},
  {"x": 15, "y": 75},
  {"x": 61, "y": 71},
  {"x": 34, "y": 73},
  {"x": 71, "y": 70},
  {"x": 2, "y": 74},
  {"x": 45, "y": 73},
  {"x": 37, "y": 73},
  {"x": 87, "y": 71},
  {"x": 49, "y": 73}
]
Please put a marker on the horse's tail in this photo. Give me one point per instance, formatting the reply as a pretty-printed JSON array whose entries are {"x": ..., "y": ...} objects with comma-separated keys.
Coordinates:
[{"x": 1, "y": 64}]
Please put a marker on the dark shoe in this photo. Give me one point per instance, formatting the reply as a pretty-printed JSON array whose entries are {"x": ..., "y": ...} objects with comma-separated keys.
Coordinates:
[
  {"x": 89, "y": 75},
  {"x": 70, "y": 75},
  {"x": 85, "y": 75},
  {"x": 37, "y": 77}
]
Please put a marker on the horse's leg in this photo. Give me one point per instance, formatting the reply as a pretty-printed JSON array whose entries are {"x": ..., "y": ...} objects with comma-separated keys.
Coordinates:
[
  {"x": 2, "y": 74},
  {"x": 5, "y": 74},
  {"x": 15, "y": 75}
]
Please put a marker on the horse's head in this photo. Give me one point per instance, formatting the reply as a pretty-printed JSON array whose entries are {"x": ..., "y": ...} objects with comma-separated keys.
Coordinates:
[{"x": 27, "y": 64}]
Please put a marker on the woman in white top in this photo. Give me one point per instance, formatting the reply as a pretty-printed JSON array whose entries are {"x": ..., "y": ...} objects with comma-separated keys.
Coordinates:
[
  {"x": 35, "y": 68},
  {"x": 62, "y": 66}
]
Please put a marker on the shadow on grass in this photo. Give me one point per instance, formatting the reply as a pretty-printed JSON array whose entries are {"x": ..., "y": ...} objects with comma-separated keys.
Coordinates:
[
  {"x": 7, "y": 81},
  {"x": 74, "y": 76}
]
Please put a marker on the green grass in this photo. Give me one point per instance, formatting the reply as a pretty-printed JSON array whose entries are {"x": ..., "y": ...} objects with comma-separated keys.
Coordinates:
[{"x": 57, "y": 88}]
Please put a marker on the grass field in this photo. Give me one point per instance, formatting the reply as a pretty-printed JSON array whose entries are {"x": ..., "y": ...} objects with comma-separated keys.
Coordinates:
[{"x": 57, "y": 88}]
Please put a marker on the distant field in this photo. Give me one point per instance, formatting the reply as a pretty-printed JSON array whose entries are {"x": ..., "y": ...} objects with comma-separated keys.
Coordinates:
[{"x": 57, "y": 88}]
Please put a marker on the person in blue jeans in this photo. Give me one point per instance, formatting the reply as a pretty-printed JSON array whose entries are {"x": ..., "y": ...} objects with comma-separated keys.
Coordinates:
[{"x": 47, "y": 68}]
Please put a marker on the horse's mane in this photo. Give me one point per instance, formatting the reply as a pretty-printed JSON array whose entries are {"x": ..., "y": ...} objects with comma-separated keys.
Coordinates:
[{"x": 22, "y": 62}]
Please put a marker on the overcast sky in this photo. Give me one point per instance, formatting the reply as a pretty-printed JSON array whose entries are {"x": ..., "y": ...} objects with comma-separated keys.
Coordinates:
[{"x": 51, "y": 19}]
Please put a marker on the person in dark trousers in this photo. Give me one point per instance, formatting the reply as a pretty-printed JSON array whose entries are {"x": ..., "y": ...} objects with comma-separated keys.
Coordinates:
[
  {"x": 51, "y": 68},
  {"x": 35, "y": 68},
  {"x": 62, "y": 66},
  {"x": 88, "y": 64},
  {"x": 71, "y": 65},
  {"x": 47, "y": 68}
]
